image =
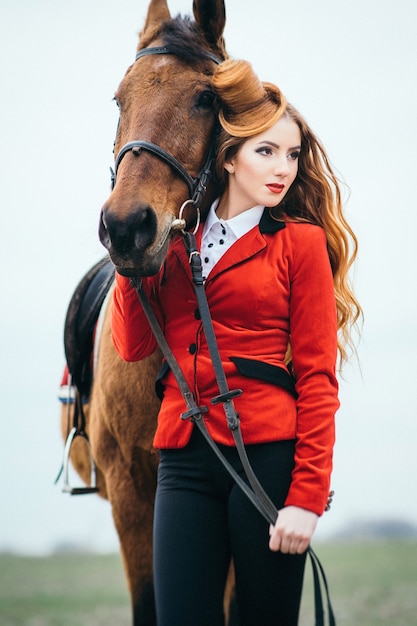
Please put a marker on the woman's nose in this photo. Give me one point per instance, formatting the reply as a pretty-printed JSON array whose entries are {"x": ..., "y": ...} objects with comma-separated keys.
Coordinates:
[{"x": 281, "y": 166}]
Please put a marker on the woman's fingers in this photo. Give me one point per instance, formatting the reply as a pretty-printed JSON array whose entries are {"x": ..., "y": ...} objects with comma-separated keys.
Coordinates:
[{"x": 293, "y": 530}]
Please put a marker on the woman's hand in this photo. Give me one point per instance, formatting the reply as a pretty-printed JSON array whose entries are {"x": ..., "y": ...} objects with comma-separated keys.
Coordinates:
[{"x": 293, "y": 530}]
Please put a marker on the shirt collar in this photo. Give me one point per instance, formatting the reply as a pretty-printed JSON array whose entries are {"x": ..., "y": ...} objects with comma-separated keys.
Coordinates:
[{"x": 240, "y": 224}]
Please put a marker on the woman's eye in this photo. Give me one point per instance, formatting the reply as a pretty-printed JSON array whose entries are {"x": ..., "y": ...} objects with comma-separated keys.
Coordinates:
[
  {"x": 294, "y": 155},
  {"x": 264, "y": 150}
]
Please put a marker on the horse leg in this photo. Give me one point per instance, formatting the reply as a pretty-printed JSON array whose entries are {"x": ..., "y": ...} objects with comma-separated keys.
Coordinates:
[
  {"x": 123, "y": 410},
  {"x": 133, "y": 520},
  {"x": 133, "y": 517}
]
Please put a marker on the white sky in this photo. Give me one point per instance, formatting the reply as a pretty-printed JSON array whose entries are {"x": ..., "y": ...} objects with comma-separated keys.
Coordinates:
[{"x": 351, "y": 68}]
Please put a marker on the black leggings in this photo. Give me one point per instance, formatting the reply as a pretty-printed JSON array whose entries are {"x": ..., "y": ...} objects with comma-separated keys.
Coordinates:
[{"x": 202, "y": 519}]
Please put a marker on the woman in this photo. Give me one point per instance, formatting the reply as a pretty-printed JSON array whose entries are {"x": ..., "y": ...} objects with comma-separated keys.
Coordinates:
[{"x": 275, "y": 254}]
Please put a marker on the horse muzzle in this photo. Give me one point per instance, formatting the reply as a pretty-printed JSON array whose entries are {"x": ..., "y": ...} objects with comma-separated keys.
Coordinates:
[{"x": 133, "y": 242}]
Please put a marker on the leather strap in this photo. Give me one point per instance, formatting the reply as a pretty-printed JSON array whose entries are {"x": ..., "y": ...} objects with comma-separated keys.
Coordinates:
[
  {"x": 167, "y": 50},
  {"x": 226, "y": 396},
  {"x": 194, "y": 411},
  {"x": 138, "y": 145}
]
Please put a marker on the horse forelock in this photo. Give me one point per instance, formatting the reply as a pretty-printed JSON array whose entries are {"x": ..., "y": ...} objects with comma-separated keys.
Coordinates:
[{"x": 184, "y": 38}]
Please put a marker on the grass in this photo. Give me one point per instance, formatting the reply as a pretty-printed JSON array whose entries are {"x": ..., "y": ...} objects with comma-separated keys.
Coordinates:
[
  {"x": 370, "y": 584},
  {"x": 63, "y": 590}
]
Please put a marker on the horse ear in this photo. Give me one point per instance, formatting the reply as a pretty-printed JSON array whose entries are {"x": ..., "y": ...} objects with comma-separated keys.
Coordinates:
[
  {"x": 157, "y": 12},
  {"x": 211, "y": 19}
]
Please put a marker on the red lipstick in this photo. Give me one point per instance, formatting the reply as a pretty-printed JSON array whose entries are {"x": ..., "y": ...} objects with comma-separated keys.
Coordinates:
[{"x": 275, "y": 187}]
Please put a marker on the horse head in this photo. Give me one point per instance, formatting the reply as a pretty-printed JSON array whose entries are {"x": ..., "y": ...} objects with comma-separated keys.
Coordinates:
[{"x": 165, "y": 134}]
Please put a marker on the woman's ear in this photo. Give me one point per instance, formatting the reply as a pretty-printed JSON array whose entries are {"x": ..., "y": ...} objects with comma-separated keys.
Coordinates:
[{"x": 229, "y": 167}]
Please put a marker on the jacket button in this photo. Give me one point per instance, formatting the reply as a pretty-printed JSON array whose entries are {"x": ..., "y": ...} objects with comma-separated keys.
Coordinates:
[
  {"x": 197, "y": 314},
  {"x": 193, "y": 348}
]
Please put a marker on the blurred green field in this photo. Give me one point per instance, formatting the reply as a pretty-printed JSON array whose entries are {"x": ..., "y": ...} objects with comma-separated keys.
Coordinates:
[{"x": 371, "y": 584}]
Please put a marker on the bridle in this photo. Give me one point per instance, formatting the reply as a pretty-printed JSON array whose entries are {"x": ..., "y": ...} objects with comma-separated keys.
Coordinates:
[{"x": 196, "y": 186}]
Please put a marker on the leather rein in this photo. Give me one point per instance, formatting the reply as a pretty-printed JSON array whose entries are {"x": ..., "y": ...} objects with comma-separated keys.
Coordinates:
[{"x": 195, "y": 413}]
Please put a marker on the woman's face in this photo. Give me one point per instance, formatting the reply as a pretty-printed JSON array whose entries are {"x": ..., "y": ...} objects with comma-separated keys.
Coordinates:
[{"x": 264, "y": 168}]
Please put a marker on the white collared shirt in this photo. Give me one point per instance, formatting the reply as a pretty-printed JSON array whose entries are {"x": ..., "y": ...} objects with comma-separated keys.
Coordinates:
[{"x": 219, "y": 235}]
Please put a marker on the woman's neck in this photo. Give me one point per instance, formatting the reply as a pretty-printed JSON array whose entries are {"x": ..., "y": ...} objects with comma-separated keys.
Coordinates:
[{"x": 227, "y": 209}]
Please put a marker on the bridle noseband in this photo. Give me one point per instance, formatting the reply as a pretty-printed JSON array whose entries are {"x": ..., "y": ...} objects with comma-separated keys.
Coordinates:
[{"x": 196, "y": 186}]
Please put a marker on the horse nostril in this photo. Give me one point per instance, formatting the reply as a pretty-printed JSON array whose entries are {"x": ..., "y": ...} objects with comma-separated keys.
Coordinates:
[
  {"x": 103, "y": 232},
  {"x": 129, "y": 235}
]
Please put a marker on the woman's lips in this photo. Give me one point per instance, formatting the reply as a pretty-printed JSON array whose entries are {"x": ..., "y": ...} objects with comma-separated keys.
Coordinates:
[{"x": 275, "y": 187}]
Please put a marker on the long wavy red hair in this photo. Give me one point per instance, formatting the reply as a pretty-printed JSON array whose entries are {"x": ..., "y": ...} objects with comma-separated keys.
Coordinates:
[{"x": 248, "y": 107}]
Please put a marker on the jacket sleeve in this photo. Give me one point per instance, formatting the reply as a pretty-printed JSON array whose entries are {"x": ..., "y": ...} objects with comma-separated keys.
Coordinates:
[
  {"x": 313, "y": 327},
  {"x": 131, "y": 333}
]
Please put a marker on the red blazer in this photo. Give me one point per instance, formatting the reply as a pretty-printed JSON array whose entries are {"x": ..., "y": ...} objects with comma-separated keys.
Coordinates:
[{"x": 273, "y": 282}]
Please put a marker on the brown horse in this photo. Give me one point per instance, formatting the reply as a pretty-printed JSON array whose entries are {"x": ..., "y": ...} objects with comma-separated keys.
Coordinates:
[{"x": 164, "y": 135}]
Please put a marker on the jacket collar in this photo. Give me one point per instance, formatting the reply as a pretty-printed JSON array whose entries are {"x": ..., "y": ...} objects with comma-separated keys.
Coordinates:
[
  {"x": 251, "y": 244},
  {"x": 268, "y": 224}
]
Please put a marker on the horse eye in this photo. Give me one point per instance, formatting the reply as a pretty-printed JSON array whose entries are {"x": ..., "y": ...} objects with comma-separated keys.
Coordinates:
[{"x": 205, "y": 99}]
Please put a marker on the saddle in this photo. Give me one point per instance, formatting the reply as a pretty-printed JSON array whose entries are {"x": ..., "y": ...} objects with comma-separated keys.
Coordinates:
[
  {"x": 80, "y": 322},
  {"x": 79, "y": 331}
]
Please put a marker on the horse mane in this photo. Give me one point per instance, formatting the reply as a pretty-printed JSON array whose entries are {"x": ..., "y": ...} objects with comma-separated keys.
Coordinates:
[{"x": 183, "y": 37}]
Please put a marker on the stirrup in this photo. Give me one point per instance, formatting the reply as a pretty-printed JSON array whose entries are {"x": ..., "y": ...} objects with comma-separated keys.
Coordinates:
[{"x": 75, "y": 491}]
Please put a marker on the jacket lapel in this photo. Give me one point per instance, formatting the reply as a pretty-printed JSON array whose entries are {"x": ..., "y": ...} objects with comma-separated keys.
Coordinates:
[
  {"x": 247, "y": 246},
  {"x": 244, "y": 248}
]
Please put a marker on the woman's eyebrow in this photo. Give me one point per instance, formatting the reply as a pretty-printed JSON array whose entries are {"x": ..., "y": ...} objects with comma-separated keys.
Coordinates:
[{"x": 276, "y": 145}]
